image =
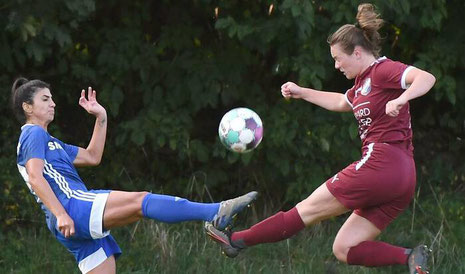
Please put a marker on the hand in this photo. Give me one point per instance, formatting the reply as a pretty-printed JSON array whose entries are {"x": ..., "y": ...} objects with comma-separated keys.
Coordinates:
[
  {"x": 65, "y": 225},
  {"x": 91, "y": 105},
  {"x": 393, "y": 107},
  {"x": 291, "y": 90}
]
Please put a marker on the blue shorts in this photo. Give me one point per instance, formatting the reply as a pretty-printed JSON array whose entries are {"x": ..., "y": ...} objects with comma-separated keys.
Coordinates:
[{"x": 90, "y": 245}]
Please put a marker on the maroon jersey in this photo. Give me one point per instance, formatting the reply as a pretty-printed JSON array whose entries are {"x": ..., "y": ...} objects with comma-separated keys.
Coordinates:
[{"x": 380, "y": 83}]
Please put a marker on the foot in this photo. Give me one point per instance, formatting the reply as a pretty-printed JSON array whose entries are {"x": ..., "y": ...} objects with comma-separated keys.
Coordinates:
[
  {"x": 228, "y": 209},
  {"x": 418, "y": 260},
  {"x": 223, "y": 238}
]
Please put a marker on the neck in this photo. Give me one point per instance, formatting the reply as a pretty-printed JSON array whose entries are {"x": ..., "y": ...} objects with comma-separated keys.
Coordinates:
[
  {"x": 43, "y": 125},
  {"x": 367, "y": 62}
]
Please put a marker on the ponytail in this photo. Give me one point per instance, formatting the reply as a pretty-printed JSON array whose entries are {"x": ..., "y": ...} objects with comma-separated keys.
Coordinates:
[
  {"x": 363, "y": 33},
  {"x": 23, "y": 91}
]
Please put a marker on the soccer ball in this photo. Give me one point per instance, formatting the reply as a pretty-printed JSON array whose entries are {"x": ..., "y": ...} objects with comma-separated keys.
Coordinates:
[{"x": 241, "y": 130}]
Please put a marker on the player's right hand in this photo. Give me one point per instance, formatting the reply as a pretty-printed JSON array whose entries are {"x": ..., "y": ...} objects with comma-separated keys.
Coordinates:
[
  {"x": 65, "y": 225},
  {"x": 91, "y": 105},
  {"x": 291, "y": 90}
]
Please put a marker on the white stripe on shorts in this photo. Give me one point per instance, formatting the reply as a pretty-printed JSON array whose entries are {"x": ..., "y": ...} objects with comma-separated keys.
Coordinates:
[
  {"x": 366, "y": 157},
  {"x": 96, "y": 216},
  {"x": 92, "y": 261}
]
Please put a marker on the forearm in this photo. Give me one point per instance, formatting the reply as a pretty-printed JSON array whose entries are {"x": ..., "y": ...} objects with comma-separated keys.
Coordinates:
[
  {"x": 332, "y": 101},
  {"x": 43, "y": 190},
  {"x": 421, "y": 84},
  {"x": 97, "y": 142}
]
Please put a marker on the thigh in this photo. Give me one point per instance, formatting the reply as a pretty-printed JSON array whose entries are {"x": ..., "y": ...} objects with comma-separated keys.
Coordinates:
[
  {"x": 123, "y": 208},
  {"x": 355, "y": 230},
  {"x": 382, "y": 215},
  {"x": 384, "y": 173},
  {"x": 86, "y": 210},
  {"x": 90, "y": 253},
  {"x": 107, "y": 267},
  {"x": 320, "y": 205}
]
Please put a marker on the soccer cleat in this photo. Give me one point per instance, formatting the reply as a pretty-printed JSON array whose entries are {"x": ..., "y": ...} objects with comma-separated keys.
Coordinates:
[
  {"x": 223, "y": 238},
  {"x": 228, "y": 209},
  {"x": 418, "y": 260}
]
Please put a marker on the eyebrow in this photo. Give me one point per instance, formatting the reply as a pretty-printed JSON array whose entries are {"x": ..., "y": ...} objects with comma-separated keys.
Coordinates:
[{"x": 46, "y": 96}]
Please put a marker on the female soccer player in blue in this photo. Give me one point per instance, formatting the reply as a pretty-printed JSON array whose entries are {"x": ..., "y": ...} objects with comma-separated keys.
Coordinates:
[
  {"x": 379, "y": 186},
  {"x": 79, "y": 218}
]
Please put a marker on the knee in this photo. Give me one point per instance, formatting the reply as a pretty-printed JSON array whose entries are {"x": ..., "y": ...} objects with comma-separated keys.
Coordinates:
[
  {"x": 309, "y": 212},
  {"x": 139, "y": 196},
  {"x": 138, "y": 200},
  {"x": 340, "y": 251}
]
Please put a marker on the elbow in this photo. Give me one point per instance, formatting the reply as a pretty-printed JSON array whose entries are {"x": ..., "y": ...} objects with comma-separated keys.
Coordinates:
[
  {"x": 432, "y": 79},
  {"x": 93, "y": 158},
  {"x": 95, "y": 161},
  {"x": 34, "y": 181}
]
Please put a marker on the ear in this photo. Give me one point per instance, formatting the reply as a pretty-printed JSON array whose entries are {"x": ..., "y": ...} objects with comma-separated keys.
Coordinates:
[
  {"x": 27, "y": 108},
  {"x": 358, "y": 52}
]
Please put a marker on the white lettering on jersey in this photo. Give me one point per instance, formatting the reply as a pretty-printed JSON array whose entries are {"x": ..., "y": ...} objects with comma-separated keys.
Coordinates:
[
  {"x": 363, "y": 112},
  {"x": 363, "y": 120},
  {"x": 54, "y": 145}
]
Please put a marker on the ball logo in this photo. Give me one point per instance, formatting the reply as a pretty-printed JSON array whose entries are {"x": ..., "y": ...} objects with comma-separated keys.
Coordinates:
[
  {"x": 366, "y": 88},
  {"x": 240, "y": 130}
]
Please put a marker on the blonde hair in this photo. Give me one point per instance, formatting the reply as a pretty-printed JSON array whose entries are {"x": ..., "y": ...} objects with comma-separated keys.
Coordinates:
[{"x": 364, "y": 33}]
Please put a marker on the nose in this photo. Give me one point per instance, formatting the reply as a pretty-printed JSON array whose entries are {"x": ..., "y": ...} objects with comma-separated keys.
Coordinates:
[
  {"x": 336, "y": 65},
  {"x": 52, "y": 103}
]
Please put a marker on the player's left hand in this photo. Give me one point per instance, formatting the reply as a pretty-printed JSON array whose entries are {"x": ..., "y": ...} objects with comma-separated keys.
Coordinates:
[
  {"x": 90, "y": 103},
  {"x": 393, "y": 107}
]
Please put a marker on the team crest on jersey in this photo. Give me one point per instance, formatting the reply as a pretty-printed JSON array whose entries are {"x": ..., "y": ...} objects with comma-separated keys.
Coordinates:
[{"x": 366, "y": 88}]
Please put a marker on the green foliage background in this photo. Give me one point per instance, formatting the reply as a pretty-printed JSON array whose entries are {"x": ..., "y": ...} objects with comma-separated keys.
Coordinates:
[{"x": 168, "y": 70}]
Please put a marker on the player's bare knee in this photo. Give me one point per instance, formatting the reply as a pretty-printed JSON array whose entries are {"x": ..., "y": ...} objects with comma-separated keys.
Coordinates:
[
  {"x": 309, "y": 212},
  {"x": 340, "y": 252},
  {"x": 138, "y": 199},
  {"x": 141, "y": 195}
]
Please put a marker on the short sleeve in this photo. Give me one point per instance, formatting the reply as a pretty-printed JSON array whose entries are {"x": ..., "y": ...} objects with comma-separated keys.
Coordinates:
[
  {"x": 34, "y": 144},
  {"x": 349, "y": 96},
  {"x": 71, "y": 150},
  {"x": 390, "y": 75}
]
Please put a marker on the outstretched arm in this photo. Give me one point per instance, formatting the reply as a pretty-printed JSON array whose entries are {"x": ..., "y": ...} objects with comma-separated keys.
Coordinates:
[
  {"x": 34, "y": 168},
  {"x": 420, "y": 83},
  {"x": 92, "y": 155},
  {"x": 329, "y": 100}
]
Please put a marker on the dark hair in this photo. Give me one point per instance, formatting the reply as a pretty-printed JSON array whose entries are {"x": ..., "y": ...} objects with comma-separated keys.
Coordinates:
[
  {"x": 23, "y": 91},
  {"x": 364, "y": 33}
]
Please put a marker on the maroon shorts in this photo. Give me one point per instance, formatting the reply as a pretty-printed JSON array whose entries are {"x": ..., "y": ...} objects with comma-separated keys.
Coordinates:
[{"x": 379, "y": 186}]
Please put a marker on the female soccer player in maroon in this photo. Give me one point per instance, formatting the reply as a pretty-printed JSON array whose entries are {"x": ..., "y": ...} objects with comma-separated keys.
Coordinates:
[{"x": 379, "y": 186}]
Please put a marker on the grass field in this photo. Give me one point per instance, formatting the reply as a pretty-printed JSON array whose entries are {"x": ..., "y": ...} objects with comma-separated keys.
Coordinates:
[{"x": 151, "y": 247}]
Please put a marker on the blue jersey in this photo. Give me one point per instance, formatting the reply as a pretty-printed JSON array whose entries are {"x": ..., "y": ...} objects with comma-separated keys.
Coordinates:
[
  {"x": 91, "y": 244},
  {"x": 59, "y": 171}
]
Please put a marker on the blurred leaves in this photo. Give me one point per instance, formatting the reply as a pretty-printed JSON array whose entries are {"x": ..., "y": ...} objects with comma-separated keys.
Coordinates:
[{"x": 168, "y": 70}]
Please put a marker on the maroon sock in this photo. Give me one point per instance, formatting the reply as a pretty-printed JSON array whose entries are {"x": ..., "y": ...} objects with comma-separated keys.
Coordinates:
[
  {"x": 278, "y": 227},
  {"x": 371, "y": 253}
]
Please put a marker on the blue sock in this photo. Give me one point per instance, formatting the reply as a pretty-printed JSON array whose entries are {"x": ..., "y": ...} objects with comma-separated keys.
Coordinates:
[{"x": 170, "y": 209}]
